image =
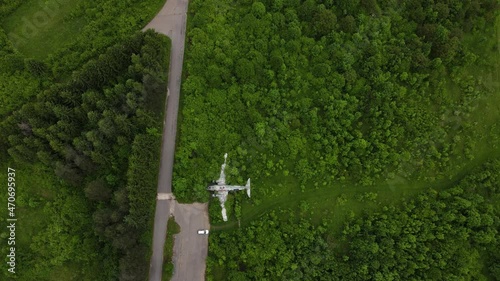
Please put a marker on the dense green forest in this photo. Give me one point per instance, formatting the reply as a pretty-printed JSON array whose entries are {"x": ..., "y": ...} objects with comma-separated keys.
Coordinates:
[
  {"x": 98, "y": 133},
  {"x": 81, "y": 125},
  {"x": 81, "y": 110},
  {"x": 368, "y": 127},
  {"x": 346, "y": 115},
  {"x": 356, "y": 92}
]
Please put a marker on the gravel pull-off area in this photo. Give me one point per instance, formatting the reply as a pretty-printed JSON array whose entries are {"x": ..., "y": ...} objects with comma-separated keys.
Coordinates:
[{"x": 190, "y": 248}]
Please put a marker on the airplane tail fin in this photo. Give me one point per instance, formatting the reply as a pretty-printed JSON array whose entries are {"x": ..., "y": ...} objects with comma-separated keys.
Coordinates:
[{"x": 248, "y": 187}]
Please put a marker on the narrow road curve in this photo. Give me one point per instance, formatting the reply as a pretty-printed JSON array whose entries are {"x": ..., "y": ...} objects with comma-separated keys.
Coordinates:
[{"x": 171, "y": 21}]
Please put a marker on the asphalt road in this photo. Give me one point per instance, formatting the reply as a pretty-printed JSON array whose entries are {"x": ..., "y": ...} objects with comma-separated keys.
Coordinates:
[
  {"x": 190, "y": 249},
  {"x": 171, "y": 21}
]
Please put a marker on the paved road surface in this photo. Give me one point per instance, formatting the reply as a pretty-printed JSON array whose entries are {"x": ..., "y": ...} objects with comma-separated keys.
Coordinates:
[
  {"x": 171, "y": 21},
  {"x": 190, "y": 248}
]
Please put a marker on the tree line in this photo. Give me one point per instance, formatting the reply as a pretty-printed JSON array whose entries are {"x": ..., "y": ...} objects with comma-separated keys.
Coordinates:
[{"x": 98, "y": 132}]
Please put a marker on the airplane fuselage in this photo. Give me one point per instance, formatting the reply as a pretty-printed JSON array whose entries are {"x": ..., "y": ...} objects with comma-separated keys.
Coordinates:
[
  {"x": 225, "y": 187},
  {"x": 221, "y": 189}
]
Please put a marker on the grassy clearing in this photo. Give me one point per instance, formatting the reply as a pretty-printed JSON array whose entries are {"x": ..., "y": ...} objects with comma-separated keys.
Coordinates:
[
  {"x": 34, "y": 188},
  {"x": 38, "y": 28},
  {"x": 336, "y": 202},
  {"x": 168, "y": 250}
]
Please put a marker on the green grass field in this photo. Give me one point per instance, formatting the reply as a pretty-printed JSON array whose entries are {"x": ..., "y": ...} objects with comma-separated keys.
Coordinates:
[
  {"x": 335, "y": 203},
  {"x": 37, "y": 30},
  {"x": 34, "y": 189}
]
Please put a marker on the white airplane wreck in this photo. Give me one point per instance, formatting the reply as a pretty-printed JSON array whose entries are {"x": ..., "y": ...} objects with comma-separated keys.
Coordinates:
[{"x": 221, "y": 189}]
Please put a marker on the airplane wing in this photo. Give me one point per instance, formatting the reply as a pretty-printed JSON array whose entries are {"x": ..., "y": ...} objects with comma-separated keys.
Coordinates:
[
  {"x": 222, "y": 198},
  {"x": 222, "y": 178}
]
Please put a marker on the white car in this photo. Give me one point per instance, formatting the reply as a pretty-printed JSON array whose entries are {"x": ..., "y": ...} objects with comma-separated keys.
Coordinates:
[{"x": 203, "y": 231}]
